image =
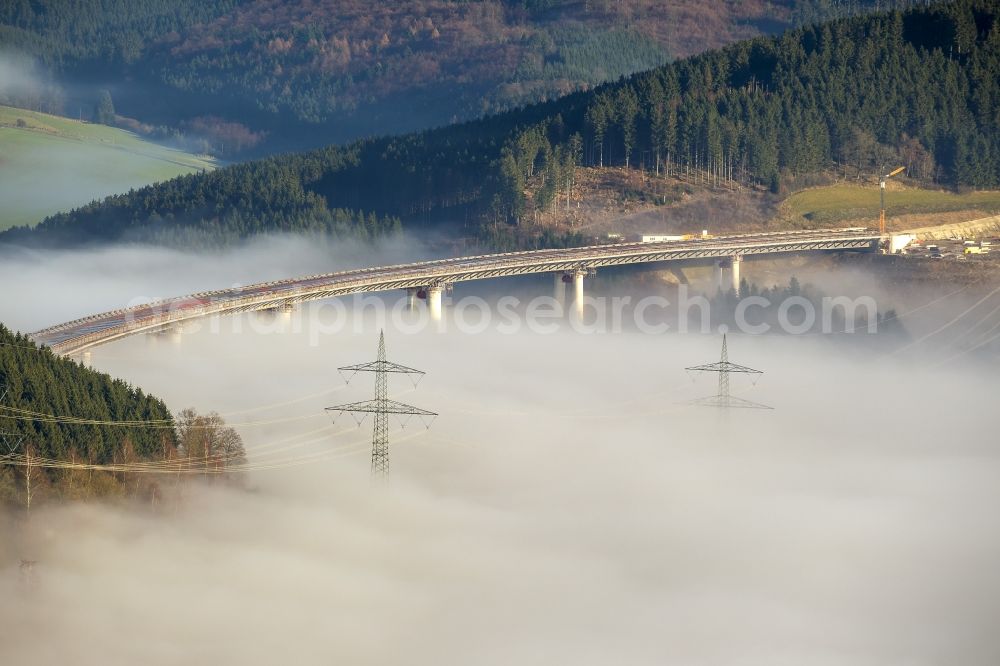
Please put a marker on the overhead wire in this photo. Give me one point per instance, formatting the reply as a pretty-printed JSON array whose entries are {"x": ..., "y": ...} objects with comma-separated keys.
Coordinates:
[
  {"x": 983, "y": 340},
  {"x": 261, "y": 453},
  {"x": 272, "y": 448},
  {"x": 191, "y": 466},
  {"x": 968, "y": 331},
  {"x": 28, "y": 415},
  {"x": 896, "y": 316},
  {"x": 949, "y": 323}
]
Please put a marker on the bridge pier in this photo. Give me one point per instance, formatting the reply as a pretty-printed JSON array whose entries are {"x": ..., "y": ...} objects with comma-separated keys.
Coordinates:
[
  {"x": 735, "y": 262},
  {"x": 411, "y": 298},
  {"x": 717, "y": 271},
  {"x": 91, "y": 331},
  {"x": 578, "y": 276},
  {"x": 559, "y": 288},
  {"x": 434, "y": 301},
  {"x": 171, "y": 332}
]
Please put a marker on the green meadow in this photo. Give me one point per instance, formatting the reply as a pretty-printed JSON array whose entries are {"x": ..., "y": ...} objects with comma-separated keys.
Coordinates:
[
  {"x": 842, "y": 203},
  {"x": 50, "y": 164}
]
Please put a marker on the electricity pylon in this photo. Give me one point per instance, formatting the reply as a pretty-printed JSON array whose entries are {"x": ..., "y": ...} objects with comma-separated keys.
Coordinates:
[
  {"x": 724, "y": 367},
  {"x": 10, "y": 440},
  {"x": 381, "y": 406}
]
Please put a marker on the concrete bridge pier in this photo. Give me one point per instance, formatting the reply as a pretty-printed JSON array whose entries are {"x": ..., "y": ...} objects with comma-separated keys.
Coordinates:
[
  {"x": 171, "y": 332},
  {"x": 578, "y": 276},
  {"x": 735, "y": 262},
  {"x": 91, "y": 331},
  {"x": 717, "y": 271},
  {"x": 434, "y": 293},
  {"x": 411, "y": 299},
  {"x": 559, "y": 288}
]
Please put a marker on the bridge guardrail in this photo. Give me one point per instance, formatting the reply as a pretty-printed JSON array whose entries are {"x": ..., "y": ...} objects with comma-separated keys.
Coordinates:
[{"x": 454, "y": 269}]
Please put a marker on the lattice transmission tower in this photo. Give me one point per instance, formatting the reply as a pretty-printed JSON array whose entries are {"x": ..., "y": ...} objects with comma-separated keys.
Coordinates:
[
  {"x": 724, "y": 367},
  {"x": 381, "y": 407},
  {"x": 10, "y": 441}
]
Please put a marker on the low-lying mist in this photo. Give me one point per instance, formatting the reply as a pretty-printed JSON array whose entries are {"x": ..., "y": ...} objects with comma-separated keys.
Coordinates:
[
  {"x": 52, "y": 286},
  {"x": 60, "y": 285},
  {"x": 568, "y": 505},
  {"x": 19, "y": 77}
]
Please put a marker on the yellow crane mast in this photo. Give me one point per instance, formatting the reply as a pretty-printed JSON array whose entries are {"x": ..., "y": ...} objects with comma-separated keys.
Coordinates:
[{"x": 881, "y": 185}]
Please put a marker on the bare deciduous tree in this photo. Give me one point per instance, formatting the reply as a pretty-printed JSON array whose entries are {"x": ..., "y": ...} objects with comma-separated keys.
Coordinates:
[{"x": 208, "y": 443}]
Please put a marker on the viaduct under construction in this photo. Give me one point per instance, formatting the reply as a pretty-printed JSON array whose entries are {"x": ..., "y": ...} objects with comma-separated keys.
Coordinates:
[{"x": 431, "y": 278}]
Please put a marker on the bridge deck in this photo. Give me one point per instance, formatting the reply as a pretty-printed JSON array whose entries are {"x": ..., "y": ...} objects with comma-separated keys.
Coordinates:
[{"x": 90, "y": 331}]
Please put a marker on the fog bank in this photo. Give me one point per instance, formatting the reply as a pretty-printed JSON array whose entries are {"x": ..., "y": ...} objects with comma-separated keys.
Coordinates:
[
  {"x": 568, "y": 506},
  {"x": 60, "y": 285}
]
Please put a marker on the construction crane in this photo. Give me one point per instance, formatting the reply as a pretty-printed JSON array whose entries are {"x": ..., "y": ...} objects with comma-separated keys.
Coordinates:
[{"x": 881, "y": 185}]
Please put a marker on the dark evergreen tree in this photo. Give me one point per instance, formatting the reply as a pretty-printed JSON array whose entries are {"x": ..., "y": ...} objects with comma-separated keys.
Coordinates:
[
  {"x": 45, "y": 393},
  {"x": 105, "y": 110},
  {"x": 921, "y": 86}
]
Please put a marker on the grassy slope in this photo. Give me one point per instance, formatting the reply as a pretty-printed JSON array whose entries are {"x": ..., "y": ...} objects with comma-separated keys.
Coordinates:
[
  {"x": 845, "y": 203},
  {"x": 55, "y": 164},
  {"x": 612, "y": 200}
]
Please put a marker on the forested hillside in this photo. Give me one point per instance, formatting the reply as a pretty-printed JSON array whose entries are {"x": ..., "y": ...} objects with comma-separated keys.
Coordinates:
[
  {"x": 920, "y": 88},
  {"x": 39, "y": 384},
  {"x": 259, "y": 75}
]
